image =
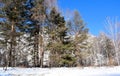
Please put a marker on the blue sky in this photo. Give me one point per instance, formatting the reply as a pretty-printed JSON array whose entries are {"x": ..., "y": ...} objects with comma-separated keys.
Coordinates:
[{"x": 93, "y": 12}]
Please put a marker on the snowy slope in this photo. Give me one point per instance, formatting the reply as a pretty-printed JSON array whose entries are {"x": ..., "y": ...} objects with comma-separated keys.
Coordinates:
[{"x": 87, "y": 71}]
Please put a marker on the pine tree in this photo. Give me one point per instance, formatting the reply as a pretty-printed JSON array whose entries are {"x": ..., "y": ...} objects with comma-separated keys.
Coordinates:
[
  {"x": 12, "y": 10},
  {"x": 59, "y": 44}
]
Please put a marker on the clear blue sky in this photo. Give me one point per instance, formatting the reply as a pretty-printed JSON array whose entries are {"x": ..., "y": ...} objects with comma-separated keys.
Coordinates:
[{"x": 93, "y": 12}]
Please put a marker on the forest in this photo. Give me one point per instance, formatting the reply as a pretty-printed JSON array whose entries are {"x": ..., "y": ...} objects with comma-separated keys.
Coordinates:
[{"x": 34, "y": 33}]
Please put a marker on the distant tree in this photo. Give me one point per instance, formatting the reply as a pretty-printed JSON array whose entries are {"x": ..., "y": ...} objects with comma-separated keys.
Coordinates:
[
  {"x": 106, "y": 49},
  {"x": 113, "y": 31},
  {"x": 76, "y": 27}
]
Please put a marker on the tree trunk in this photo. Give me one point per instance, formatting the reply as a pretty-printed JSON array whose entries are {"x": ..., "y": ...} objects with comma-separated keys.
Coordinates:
[
  {"x": 41, "y": 58},
  {"x": 12, "y": 47}
]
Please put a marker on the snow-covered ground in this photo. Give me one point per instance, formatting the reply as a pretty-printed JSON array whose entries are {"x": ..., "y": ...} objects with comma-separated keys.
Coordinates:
[{"x": 87, "y": 71}]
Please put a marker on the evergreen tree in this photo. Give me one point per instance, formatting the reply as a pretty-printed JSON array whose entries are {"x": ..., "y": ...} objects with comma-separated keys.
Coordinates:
[
  {"x": 59, "y": 45},
  {"x": 10, "y": 31}
]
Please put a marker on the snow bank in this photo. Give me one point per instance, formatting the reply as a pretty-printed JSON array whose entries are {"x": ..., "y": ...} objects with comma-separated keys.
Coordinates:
[{"x": 87, "y": 71}]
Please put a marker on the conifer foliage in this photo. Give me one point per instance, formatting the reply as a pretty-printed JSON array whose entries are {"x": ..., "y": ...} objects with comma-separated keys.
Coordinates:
[
  {"x": 34, "y": 33},
  {"x": 10, "y": 29},
  {"x": 43, "y": 29}
]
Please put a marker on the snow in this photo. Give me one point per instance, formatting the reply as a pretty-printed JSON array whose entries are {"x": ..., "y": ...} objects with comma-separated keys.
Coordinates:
[{"x": 86, "y": 71}]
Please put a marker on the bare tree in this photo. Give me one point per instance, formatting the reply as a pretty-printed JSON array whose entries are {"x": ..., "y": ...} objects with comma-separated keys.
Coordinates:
[{"x": 113, "y": 30}]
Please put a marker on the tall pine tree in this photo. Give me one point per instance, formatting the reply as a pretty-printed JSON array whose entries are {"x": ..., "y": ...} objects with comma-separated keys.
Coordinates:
[{"x": 12, "y": 9}]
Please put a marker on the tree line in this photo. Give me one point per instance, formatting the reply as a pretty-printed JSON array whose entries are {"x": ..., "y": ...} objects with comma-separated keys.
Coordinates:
[{"x": 34, "y": 33}]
